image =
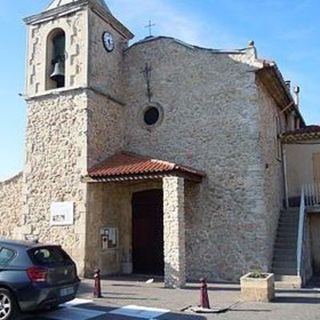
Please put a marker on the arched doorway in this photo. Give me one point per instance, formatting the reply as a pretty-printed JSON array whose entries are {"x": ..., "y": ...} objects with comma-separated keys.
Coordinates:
[{"x": 147, "y": 232}]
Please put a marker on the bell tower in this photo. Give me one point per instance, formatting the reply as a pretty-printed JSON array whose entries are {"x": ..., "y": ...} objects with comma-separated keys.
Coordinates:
[{"x": 74, "y": 118}]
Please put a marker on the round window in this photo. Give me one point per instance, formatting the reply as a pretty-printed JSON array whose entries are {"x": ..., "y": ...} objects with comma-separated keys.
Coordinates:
[{"x": 151, "y": 116}]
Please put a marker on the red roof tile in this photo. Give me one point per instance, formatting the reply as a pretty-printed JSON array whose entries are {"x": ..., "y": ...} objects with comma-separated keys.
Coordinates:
[
  {"x": 303, "y": 134},
  {"x": 307, "y": 129},
  {"x": 128, "y": 164}
]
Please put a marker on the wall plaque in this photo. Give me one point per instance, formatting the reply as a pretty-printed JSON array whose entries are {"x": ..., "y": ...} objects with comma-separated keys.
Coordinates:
[{"x": 62, "y": 213}]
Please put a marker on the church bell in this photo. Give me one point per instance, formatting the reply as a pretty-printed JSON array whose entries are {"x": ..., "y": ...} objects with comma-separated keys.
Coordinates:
[
  {"x": 58, "y": 74},
  {"x": 58, "y": 62}
]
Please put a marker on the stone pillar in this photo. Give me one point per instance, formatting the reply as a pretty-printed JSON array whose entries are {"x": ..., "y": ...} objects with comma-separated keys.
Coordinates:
[{"x": 174, "y": 232}]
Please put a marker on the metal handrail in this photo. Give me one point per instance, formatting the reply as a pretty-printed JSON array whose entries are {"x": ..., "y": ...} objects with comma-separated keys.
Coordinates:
[
  {"x": 301, "y": 231},
  {"x": 312, "y": 194}
]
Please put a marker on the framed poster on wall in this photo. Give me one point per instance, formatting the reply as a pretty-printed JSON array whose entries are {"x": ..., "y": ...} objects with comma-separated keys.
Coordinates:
[{"x": 109, "y": 238}]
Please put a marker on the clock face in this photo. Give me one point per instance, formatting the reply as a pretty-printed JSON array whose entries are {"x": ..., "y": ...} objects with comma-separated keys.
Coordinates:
[{"x": 108, "y": 41}]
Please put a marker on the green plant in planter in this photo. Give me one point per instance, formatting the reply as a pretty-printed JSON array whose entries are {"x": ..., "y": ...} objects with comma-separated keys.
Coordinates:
[{"x": 257, "y": 274}]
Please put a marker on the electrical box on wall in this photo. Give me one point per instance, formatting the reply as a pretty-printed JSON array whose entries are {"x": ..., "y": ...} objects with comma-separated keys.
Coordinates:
[{"x": 109, "y": 238}]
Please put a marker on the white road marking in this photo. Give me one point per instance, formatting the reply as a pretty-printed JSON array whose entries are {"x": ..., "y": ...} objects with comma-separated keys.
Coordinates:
[
  {"x": 139, "y": 312},
  {"x": 75, "y": 302},
  {"x": 71, "y": 313}
]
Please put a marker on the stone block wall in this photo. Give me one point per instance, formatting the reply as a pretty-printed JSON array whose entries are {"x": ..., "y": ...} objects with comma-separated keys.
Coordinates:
[
  {"x": 69, "y": 128},
  {"x": 215, "y": 117},
  {"x": 38, "y": 66},
  {"x": 56, "y": 159},
  {"x": 210, "y": 122},
  {"x": 105, "y": 128},
  {"x": 109, "y": 205},
  {"x": 105, "y": 68},
  {"x": 10, "y": 206},
  {"x": 271, "y": 158},
  {"x": 174, "y": 232}
]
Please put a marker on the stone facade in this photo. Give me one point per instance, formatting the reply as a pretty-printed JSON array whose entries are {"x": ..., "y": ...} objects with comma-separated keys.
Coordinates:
[
  {"x": 109, "y": 205},
  {"x": 174, "y": 232},
  {"x": 225, "y": 134},
  {"x": 56, "y": 134},
  {"x": 55, "y": 162},
  {"x": 38, "y": 66},
  {"x": 271, "y": 123},
  {"x": 215, "y": 116},
  {"x": 10, "y": 206},
  {"x": 74, "y": 130}
]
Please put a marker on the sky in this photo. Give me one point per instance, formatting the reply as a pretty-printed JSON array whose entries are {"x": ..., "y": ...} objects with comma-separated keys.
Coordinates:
[{"x": 286, "y": 31}]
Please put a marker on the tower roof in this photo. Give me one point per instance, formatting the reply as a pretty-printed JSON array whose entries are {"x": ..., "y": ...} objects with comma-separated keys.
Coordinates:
[{"x": 59, "y": 3}]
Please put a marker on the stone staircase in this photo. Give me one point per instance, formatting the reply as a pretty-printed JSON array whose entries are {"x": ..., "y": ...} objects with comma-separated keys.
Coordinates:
[{"x": 285, "y": 250}]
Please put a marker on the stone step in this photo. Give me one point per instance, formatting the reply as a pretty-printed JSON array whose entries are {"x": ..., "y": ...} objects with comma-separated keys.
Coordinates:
[
  {"x": 288, "y": 224},
  {"x": 288, "y": 221},
  {"x": 285, "y": 245},
  {"x": 287, "y": 236},
  {"x": 288, "y": 212},
  {"x": 284, "y": 251},
  {"x": 286, "y": 239},
  {"x": 294, "y": 215},
  {"x": 292, "y": 209},
  {"x": 284, "y": 257},
  {"x": 286, "y": 230},
  {"x": 284, "y": 265},
  {"x": 292, "y": 236},
  {"x": 287, "y": 282},
  {"x": 285, "y": 271}
]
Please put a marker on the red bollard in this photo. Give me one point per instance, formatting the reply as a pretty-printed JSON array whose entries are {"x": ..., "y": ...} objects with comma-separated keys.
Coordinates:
[
  {"x": 204, "y": 298},
  {"x": 97, "y": 284}
]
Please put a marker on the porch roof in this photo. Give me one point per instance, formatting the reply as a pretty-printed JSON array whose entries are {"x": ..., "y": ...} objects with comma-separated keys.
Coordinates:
[
  {"x": 127, "y": 166},
  {"x": 301, "y": 135}
]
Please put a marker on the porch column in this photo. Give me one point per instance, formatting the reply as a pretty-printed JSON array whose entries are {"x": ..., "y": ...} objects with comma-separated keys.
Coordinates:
[{"x": 174, "y": 232}]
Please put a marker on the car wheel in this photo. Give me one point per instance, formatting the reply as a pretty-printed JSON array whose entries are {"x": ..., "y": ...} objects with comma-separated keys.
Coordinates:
[{"x": 8, "y": 305}]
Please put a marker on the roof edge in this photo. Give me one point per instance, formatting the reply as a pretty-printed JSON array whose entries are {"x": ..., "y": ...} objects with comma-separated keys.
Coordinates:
[
  {"x": 98, "y": 171},
  {"x": 308, "y": 133},
  {"x": 272, "y": 68},
  {"x": 187, "y": 45}
]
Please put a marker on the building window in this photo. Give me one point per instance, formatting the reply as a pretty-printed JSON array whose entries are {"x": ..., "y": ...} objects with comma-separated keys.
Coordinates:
[
  {"x": 151, "y": 116},
  {"x": 56, "y": 46}
]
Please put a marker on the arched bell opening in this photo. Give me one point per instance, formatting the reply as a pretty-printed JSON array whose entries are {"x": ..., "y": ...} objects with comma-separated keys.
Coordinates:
[{"x": 56, "y": 47}]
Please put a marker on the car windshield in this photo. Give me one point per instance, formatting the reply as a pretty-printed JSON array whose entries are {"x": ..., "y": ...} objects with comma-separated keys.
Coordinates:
[{"x": 49, "y": 256}]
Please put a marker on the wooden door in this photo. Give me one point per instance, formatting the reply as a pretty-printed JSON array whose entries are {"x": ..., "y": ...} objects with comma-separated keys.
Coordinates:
[
  {"x": 316, "y": 167},
  {"x": 147, "y": 213}
]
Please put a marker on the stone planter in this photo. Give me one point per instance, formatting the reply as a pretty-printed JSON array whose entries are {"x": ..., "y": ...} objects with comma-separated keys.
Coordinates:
[{"x": 257, "y": 289}]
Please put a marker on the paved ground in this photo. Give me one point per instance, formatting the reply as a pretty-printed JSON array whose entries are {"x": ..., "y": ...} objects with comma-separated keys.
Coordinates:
[{"x": 136, "y": 300}]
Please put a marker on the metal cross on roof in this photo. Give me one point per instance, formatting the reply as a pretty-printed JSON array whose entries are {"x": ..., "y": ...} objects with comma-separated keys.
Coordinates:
[{"x": 149, "y": 26}]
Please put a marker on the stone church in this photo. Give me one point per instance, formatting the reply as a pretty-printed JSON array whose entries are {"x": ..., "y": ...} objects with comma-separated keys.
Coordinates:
[{"x": 158, "y": 157}]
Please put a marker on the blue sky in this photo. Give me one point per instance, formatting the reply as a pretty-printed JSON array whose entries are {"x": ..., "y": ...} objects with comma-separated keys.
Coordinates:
[{"x": 284, "y": 30}]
